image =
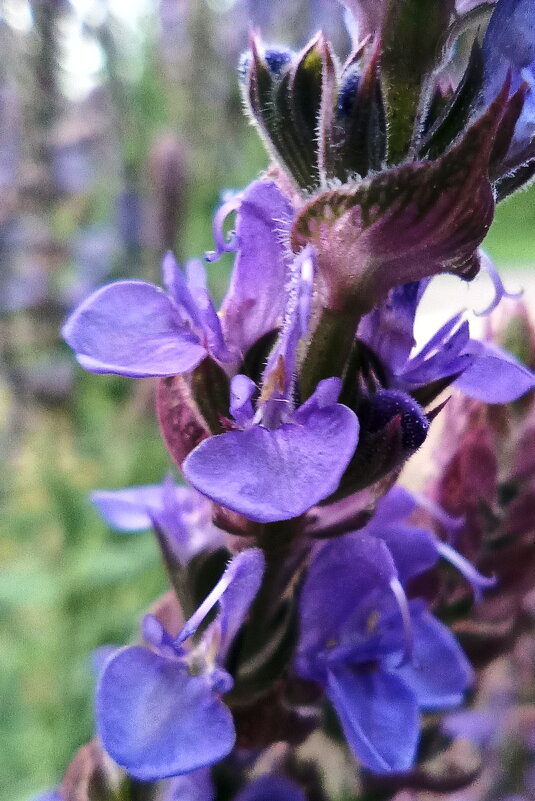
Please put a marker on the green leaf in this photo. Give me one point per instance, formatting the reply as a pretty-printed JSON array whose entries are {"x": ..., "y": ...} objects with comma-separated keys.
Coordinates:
[{"x": 413, "y": 34}]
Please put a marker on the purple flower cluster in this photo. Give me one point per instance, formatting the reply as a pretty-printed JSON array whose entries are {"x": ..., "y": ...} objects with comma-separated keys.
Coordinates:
[{"x": 301, "y": 571}]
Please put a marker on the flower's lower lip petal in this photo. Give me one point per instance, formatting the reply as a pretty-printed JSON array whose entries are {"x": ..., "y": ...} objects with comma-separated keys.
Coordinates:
[
  {"x": 156, "y": 720},
  {"x": 439, "y": 674},
  {"x": 277, "y": 474},
  {"x": 132, "y": 328},
  {"x": 128, "y": 509},
  {"x": 379, "y": 716},
  {"x": 495, "y": 377}
]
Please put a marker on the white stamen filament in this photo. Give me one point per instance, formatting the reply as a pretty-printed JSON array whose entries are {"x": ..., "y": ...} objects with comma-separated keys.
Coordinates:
[
  {"x": 403, "y": 605},
  {"x": 466, "y": 568}
]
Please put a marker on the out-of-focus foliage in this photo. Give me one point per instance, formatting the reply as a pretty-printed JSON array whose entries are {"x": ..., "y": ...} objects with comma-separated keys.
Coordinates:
[{"x": 120, "y": 125}]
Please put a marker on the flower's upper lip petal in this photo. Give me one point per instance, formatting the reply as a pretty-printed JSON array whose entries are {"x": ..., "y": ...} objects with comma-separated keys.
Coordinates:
[
  {"x": 242, "y": 390},
  {"x": 331, "y": 596},
  {"x": 389, "y": 328},
  {"x": 177, "y": 288},
  {"x": 374, "y": 708},
  {"x": 397, "y": 504},
  {"x": 234, "y": 592},
  {"x": 414, "y": 550},
  {"x": 132, "y": 328},
  {"x": 248, "y": 572},
  {"x": 270, "y": 475},
  {"x": 509, "y": 45},
  {"x": 157, "y": 720},
  {"x": 255, "y": 299}
]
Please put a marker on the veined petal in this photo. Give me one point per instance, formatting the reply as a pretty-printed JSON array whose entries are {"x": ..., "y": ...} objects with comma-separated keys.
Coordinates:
[
  {"x": 379, "y": 716},
  {"x": 439, "y": 673},
  {"x": 157, "y": 720},
  {"x": 494, "y": 376},
  {"x": 279, "y": 373},
  {"x": 177, "y": 288},
  {"x": 276, "y": 474},
  {"x": 207, "y": 315},
  {"x": 134, "y": 329}
]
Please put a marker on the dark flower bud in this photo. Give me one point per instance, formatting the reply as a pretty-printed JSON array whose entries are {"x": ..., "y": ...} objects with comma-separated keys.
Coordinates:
[
  {"x": 392, "y": 427},
  {"x": 348, "y": 92},
  {"x": 277, "y": 60}
]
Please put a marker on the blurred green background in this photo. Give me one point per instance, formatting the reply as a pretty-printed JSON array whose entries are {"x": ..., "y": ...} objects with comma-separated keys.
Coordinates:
[{"x": 120, "y": 125}]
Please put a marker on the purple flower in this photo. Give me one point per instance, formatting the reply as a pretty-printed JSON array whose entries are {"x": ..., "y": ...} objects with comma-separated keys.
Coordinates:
[
  {"x": 255, "y": 301},
  {"x": 479, "y": 369},
  {"x": 159, "y": 710},
  {"x": 416, "y": 549},
  {"x": 134, "y": 328},
  {"x": 182, "y": 514},
  {"x": 281, "y": 460},
  {"x": 379, "y": 658}
]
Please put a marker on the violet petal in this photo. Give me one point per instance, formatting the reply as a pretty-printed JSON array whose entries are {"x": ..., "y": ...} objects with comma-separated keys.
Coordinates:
[
  {"x": 276, "y": 474},
  {"x": 134, "y": 329},
  {"x": 271, "y": 788},
  {"x": 414, "y": 549},
  {"x": 331, "y": 595},
  {"x": 494, "y": 376},
  {"x": 255, "y": 300},
  {"x": 129, "y": 509},
  {"x": 509, "y": 44},
  {"x": 379, "y": 716},
  {"x": 242, "y": 390},
  {"x": 439, "y": 673},
  {"x": 235, "y": 591},
  {"x": 157, "y": 720}
]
